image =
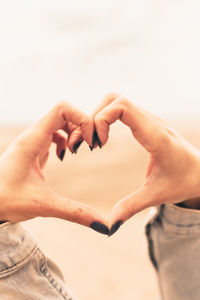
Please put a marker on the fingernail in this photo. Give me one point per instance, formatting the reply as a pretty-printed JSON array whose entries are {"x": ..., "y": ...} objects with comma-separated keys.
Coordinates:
[
  {"x": 62, "y": 154},
  {"x": 94, "y": 138},
  {"x": 98, "y": 139},
  {"x": 1, "y": 222},
  {"x": 93, "y": 141},
  {"x": 99, "y": 227},
  {"x": 115, "y": 227},
  {"x": 91, "y": 148},
  {"x": 76, "y": 146}
]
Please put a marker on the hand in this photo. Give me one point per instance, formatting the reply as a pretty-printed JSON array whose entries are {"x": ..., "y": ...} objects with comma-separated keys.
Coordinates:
[
  {"x": 173, "y": 173},
  {"x": 24, "y": 193},
  {"x": 76, "y": 138}
]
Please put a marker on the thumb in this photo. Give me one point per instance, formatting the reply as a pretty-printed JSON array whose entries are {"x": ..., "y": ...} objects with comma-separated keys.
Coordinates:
[
  {"x": 128, "y": 207},
  {"x": 64, "y": 208}
]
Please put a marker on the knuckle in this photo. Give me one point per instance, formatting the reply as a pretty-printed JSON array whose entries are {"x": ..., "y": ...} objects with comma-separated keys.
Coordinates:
[
  {"x": 122, "y": 105},
  {"x": 98, "y": 117},
  {"x": 60, "y": 109},
  {"x": 85, "y": 122},
  {"x": 128, "y": 206},
  {"x": 123, "y": 101},
  {"x": 131, "y": 211},
  {"x": 61, "y": 104},
  {"x": 77, "y": 215},
  {"x": 112, "y": 96}
]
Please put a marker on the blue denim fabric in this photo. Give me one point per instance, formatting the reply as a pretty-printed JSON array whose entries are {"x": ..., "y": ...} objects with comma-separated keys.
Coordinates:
[
  {"x": 174, "y": 246},
  {"x": 173, "y": 235},
  {"x": 25, "y": 273}
]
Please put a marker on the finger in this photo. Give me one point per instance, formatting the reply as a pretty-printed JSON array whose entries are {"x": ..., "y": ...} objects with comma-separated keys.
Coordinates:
[
  {"x": 59, "y": 207},
  {"x": 61, "y": 144},
  {"x": 75, "y": 138},
  {"x": 108, "y": 99},
  {"x": 65, "y": 112},
  {"x": 148, "y": 131},
  {"x": 128, "y": 207}
]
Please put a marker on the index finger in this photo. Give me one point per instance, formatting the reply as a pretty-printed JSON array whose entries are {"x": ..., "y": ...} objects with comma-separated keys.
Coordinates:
[
  {"x": 65, "y": 112},
  {"x": 108, "y": 99},
  {"x": 76, "y": 136},
  {"x": 147, "y": 130}
]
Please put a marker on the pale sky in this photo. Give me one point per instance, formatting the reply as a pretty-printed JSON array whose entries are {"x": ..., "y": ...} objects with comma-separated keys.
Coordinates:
[{"x": 78, "y": 51}]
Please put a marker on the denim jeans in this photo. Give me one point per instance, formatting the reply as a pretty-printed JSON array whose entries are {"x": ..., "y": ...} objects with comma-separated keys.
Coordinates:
[
  {"x": 173, "y": 235},
  {"x": 25, "y": 273}
]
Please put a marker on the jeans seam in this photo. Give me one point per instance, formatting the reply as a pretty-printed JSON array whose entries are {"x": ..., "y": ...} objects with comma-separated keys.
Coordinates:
[
  {"x": 151, "y": 246},
  {"x": 45, "y": 272},
  {"x": 21, "y": 262},
  {"x": 159, "y": 276}
]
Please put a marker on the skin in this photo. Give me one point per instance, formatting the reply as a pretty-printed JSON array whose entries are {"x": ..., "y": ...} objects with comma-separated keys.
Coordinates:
[
  {"x": 173, "y": 173},
  {"x": 24, "y": 192},
  {"x": 172, "y": 176}
]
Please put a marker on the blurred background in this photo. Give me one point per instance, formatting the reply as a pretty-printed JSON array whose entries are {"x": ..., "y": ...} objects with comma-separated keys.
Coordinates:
[{"x": 79, "y": 51}]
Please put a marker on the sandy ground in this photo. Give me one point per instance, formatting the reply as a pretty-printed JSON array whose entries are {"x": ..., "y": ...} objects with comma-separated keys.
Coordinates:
[{"x": 95, "y": 266}]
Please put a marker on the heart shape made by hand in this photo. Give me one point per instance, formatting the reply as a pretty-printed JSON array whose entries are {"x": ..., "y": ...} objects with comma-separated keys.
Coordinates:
[{"x": 172, "y": 174}]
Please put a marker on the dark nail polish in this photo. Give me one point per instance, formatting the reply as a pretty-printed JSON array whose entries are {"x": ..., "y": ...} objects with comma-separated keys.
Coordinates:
[
  {"x": 99, "y": 227},
  {"x": 62, "y": 154},
  {"x": 76, "y": 146},
  {"x": 98, "y": 139},
  {"x": 1, "y": 222},
  {"x": 94, "y": 139},
  {"x": 115, "y": 227}
]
